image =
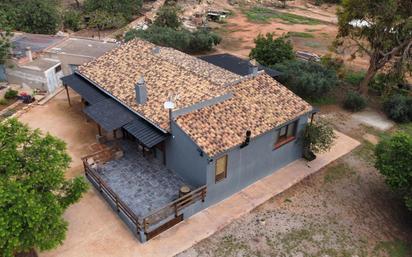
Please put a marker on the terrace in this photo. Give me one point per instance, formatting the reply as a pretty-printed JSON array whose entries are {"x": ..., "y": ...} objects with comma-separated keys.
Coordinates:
[{"x": 145, "y": 193}]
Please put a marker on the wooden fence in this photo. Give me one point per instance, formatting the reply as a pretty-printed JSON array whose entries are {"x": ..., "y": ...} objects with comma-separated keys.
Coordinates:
[{"x": 149, "y": 222}]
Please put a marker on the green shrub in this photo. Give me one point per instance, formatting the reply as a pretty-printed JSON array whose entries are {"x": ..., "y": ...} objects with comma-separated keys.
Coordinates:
[
  {"x": 331, "y": 62},
  {"x": 318, "y": 136},
  {"x": 125, "y": 8},
  {"x": 354, "y": 78},
  {"x": 183, "y": 40},
  {"x": 399, "y": 108},
  {"x": 394, "y": 161},
  {"x": 354, "y": 102},
  {"x": 269, "y": 50},
  {"x": 11, "y": 94},
  {"x": 167, "y": 16},
  {"x": 72, "y": 20},
  {"x": 308, "y": 80}
]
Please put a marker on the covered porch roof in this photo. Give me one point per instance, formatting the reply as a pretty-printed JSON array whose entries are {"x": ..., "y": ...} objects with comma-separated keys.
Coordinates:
[{"x": 112, "y": 115}]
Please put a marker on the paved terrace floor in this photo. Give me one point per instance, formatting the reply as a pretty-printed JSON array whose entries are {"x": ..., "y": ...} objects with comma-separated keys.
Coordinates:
[{"x": 143, "y": 183}]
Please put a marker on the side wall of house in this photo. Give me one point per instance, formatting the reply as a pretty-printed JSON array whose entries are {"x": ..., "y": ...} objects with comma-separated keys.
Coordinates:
[
  {"x": 183, "y": 157},
  {"x": 253, "y": 162}
]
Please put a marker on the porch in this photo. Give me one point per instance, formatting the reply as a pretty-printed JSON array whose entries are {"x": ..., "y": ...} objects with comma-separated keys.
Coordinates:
[{"x": 144, "y": 192}]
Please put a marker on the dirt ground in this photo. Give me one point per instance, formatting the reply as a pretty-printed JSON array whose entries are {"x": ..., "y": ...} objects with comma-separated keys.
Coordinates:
[
  {"x": 56, "y": 121},
  {"x": 238, "y": 32},
  {"x": 343, "y": 210}
]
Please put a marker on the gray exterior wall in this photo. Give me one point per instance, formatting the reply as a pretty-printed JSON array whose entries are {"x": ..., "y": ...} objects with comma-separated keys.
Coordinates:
[
  {"x": 183, "y": 157},
  {"x": 245, "y": 166},
  {"x": 255, "y": 161},
  {"x": 67, "y": 59}
]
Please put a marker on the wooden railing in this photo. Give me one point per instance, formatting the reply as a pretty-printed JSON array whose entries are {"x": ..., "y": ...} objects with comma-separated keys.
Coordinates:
[
  {"x": 154, "y": 218},
  {"x": 103, "y": 187},
  {"x": 174, "y": 208}
]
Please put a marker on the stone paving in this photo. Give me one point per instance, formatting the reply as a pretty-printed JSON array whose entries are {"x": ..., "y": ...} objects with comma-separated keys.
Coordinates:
[{"x": 143, "y": 183}]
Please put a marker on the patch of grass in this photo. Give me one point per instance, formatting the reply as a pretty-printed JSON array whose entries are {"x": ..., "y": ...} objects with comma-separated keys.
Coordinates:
[
  {"x": 300, "y": 34},
  {"x": 395, "y": 248},
  {"x": 366, "y": 152},
  {"x": 354, "y": 78},
  {"x": 4, "y": 101},
  {"x": 311, "y": 30},
  {"x": 230, "y": 246},
  {"x": 327, "y": 100},
  {"x": 338, "y": 172},
  {"x": 313, "y": 44},
  {"x": 407, "y": 128},
  {"x": 263, "y": 15}
]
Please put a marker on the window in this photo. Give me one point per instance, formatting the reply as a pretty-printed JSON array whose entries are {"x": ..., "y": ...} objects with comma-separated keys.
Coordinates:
[
  {"x": 58, "y": 68},
  {"x": 221, "y": 168},
  {"x": 286, "y": 134}
]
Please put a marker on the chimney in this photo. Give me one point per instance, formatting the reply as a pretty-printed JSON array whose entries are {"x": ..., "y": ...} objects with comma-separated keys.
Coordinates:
[
  {"x": 253, "y": 67},
  {"x": 141, "y": 91},
  {"x": 29, "y": 54},
  {"x": 247, "y": 139}
]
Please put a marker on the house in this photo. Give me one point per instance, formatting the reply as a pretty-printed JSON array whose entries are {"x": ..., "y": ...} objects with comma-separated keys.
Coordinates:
[
  {"x": 237, "y": 65},
  {"x": 39, "y": 61},
  {"x": 28, "y": 67},
  {"x": 182, "y": 133},
  {"x": 75, "y": 51}
]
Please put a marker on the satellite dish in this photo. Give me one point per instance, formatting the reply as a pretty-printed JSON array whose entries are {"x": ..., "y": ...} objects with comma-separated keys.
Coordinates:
[{"x": 169, "y": 105}]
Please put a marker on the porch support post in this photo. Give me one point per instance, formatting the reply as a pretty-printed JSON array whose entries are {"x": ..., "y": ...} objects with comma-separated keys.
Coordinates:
[
  {"x": 68, "y": 95},
  {"x": 99, "y": 129}
]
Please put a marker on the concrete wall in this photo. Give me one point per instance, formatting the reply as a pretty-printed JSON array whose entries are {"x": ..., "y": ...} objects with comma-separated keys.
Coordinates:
[
  {"x": 32, "y": 78},
  {"x": 252, "y": 163},
  {"x": 182, "y": 156},
  {"x": 67, "y": 59}
]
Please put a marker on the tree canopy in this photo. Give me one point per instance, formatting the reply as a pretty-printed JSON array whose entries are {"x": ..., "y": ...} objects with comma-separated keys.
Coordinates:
[
  {"x": 33, "y": 190},
  {"x": 308, "y": 80},
  {"x": 4, "y": 46},
  {"x": 33, "y": 16},
  {"x": 381, "y": 29},
  {"x": 167, "y": 16},
  {"x": 125, "y": 8},
  {"x": 270, "y": 51},
  {"x": 394, "y": 161}
]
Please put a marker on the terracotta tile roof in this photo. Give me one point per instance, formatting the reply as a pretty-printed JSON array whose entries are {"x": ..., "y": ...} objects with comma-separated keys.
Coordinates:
[
  {"x": 166, "y": 73},
  {"x": 259, "y": 104}
]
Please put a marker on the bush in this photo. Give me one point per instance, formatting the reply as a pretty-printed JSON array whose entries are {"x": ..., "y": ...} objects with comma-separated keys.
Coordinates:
[
  {"x": 354, "y": 78},
  {"x": 3, "y": 101},
  {"x": 399, "y": 108},
  {"x": 167, "y": 16},
  {"x": 125, "y": 8},
  {"x": 309, "y": 80},
  {"x": 330, "y": 62},
  {"x": 11, "y": 94},
  {"x": 104, "y": 20},
  {"x": 394, "y": 161},
  {"x": 318, "y": 136},
  {"x": 270, "y": 51},
  {"x": 354, "y": 102},
  {"x": 183, "y": 40},
  {"x": 72, "y": 20}
]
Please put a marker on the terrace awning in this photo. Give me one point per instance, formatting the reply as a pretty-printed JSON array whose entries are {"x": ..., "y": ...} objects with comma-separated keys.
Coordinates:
[
  {"x": 109, "y": 114},
  {"x": 91, "y": 94},
  {"x": 144, "y": 132}
]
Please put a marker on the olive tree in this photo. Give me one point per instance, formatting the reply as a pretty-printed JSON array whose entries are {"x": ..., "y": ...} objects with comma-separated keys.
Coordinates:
[
  {"x": 33, "y": 190},
  {"x": 380, "y": 29}
]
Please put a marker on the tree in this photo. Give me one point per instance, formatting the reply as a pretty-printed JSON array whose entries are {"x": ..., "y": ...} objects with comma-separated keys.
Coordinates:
[
  {"x": 381, "y": 29},
  {"x": 37, "y": 16},
  {"x": 125, "y": 8},
  {"x": 270, "y": 51},
  {"x": 318, "y": 136},
  {"x": 102, "y": 20},
  {"x": 33, "y": 190},
  {"x": 394, "y": 161},
  {"x": 5, "y": 46},
  {"x": 167, "y": 16},
  {"x": 182, "y": 39},
  {"x": 308, "y": 80}
]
